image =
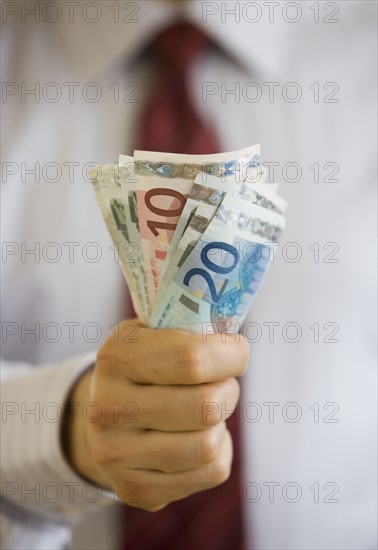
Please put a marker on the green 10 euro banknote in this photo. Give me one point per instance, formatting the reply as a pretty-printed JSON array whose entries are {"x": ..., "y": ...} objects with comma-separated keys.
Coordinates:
[{"x": 193, "y": 233}]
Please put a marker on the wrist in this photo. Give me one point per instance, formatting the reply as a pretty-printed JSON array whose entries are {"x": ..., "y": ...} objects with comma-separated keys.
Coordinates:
[{"x": 75, "y": 442}]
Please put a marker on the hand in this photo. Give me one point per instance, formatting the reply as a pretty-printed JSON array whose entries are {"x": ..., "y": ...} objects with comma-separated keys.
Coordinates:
[{"x": 150, "y": 439}]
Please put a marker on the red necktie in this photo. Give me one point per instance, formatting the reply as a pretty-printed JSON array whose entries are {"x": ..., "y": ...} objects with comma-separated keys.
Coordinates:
[
  {"x": 169, "y": 123},
  {"x": 210, "y": 520}
]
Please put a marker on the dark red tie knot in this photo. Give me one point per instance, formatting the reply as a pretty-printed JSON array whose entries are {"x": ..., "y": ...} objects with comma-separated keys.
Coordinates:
[{"x": 179, "y": 45}]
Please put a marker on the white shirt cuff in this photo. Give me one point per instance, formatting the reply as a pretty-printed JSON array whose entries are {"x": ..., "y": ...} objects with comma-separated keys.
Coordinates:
[{"x": 36, "y": 478}]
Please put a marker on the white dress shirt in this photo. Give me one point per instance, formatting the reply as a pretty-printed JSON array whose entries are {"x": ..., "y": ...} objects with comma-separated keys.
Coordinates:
[{"x": 308, "y": 398}]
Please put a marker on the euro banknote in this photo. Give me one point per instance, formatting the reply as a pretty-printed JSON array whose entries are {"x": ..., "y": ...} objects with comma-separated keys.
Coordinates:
[
  {"x": 194, "y": 233},
  {"x": 217, "y": 281},
  {"x": 163, "y": 183},
  {"x": 108, "y": 189}
]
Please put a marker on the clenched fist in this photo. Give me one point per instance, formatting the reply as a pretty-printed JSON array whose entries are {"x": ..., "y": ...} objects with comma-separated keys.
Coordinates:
[{"x": 153, "y": 444}]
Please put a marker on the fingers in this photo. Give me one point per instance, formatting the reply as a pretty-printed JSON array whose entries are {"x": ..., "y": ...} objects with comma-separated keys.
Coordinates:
[
  {"x": 171, "y": 452},
  {"x": 152, "y": 490},
  {"x": 168, "y": 408},
  {"x": 164, "y": 398},
  {"x": 186, "y": 408},
  {"x": 174, "y": 357}
]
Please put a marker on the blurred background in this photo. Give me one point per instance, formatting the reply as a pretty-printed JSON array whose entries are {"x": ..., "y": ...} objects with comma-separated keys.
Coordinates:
[{"x": 297, "y": 77}]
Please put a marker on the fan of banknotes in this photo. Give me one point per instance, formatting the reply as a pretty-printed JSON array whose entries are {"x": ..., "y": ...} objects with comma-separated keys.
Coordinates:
[{"x": 193, "y": 233}]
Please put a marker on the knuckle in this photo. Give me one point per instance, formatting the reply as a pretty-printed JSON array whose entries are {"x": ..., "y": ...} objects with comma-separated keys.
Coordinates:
[
  {"x": 243, "y": 350},
  {"x": 208, "y": 406},
  {"x": 211, "y": 420},
  {"x": 192, "y": 361},
  {"x": 221, "y": 470},
  {"x": 208, "y": 446},
  {"x": 233, "y": 390}
]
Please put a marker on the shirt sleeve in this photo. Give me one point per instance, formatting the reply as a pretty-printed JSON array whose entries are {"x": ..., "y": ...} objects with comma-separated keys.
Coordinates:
[{"x": 41, "y": 496}]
